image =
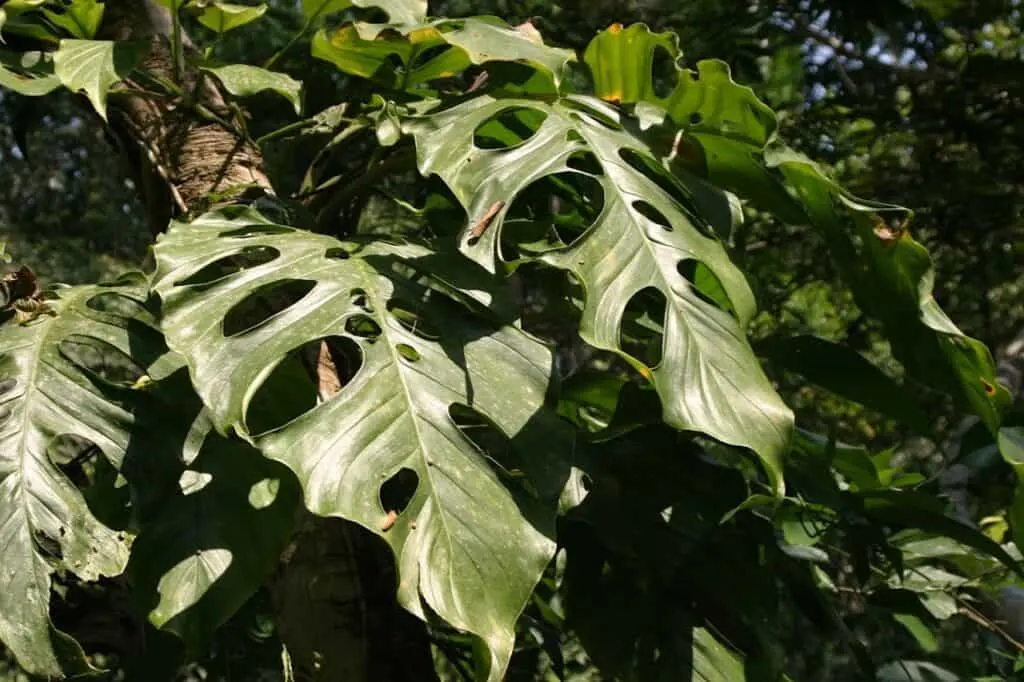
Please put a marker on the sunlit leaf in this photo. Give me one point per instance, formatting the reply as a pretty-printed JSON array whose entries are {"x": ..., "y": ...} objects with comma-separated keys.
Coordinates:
[
  {"x": 471, "y": 533},
  {"x": 242, "y": 80}
]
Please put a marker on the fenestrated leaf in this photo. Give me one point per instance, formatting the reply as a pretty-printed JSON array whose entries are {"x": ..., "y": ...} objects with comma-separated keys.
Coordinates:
[
  {"x": 64, "y": 373},
  {"x": 221, "y": 17},
  {"x": 708, "y": 100},
  {"x": 650, "y": 234},
  {"x": 721, "y": 131},
  {"x": 242, "y": 80},
  {"x": 465, "y": 545},
  {"x": 367, "y": 50},
  {"x": 399, "y": 11},
  {"x": 94, "y": 66}
]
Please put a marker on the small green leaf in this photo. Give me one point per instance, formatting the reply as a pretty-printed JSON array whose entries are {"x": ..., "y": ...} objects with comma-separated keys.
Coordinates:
[
  {"x": 221, "y": 17},
  {"x": 1011, "y": 447},
  {"x": 398, "y": 11},
  {"x": 94, "y": 66},
  {"x": 80, "y": 19},
  {"x": 242, "y": 80}
]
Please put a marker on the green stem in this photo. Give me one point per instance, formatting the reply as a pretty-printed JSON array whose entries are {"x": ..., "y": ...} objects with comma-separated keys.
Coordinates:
[
  {"x": 295, "y": 38},
  {"x": 176, "y": 43},
  {"x": 285, "y": 130}
]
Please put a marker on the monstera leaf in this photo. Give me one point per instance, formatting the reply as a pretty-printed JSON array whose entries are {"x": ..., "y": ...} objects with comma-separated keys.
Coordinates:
[
  {"x": 719, "y": 130},
  {"x": 439, "y": 49},
  {"x": 648, "y": 237},
  {"x": 65, "y": 381},
  {"x": 470, "y": 526}
]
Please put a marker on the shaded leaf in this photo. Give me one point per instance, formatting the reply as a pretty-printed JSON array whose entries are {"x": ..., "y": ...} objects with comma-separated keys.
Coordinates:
[
  {"x": 197, "y": 559},
  {"x": 846, "y": 373},
  {"x": 63, "y": 374}
]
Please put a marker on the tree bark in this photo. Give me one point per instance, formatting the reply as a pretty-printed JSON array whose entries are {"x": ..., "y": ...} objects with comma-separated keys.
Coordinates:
[{"x": 334, "y": 592}]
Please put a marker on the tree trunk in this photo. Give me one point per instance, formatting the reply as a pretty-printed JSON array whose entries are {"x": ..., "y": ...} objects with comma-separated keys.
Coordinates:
[{"x": 334, "y": 592}]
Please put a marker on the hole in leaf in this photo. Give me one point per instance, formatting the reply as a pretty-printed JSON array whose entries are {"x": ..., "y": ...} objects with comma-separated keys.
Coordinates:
[
  {"x": 407, "y": 352},
  {"x": 47, "y": 545},
  {"x": 696, "y": 118},
  {"x": 397, "y": 492},
  {"x": 101, "y": 360},
  {"x": 7, "y": 386},
  {"x": 492, "y": 443},
  {"x": 409, "y": 317},
  {"x": 337, "y": 253},
  {"x": 116, "y": 304},
  {"x": 323, "y": 366},
  {"x": 551, "y": 212},
  {"x": 249, "y": 257},
  {"x": 255, "y": 230},
  {"x": 509, "y": 128},
  {"x": 69, "y": 449},
  {"x": 363, "y": 326},
  {"x": 263, "y": 304},
  {"x": 429, "y": 54},
  {"x": 360, "y": 299},
  {"x": 664, "y": 74},
  {"x": 652, "y": 214},
  {"x": 573, "y": 136},
  {"x": 705, "y": 283},
  {"x": 653, "y": 171},
  {"x": 642, "y": 330},
  {"x": 483, "y": 433},
  {"x": 585, "y": 162},
  {"x": 602, "y": 117}
]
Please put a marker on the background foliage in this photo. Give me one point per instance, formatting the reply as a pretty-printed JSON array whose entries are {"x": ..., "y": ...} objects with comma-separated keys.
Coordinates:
[{"x": 914, "y": 103}]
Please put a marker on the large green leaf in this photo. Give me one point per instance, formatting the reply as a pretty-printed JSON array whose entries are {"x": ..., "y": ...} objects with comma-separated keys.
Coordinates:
[
  {"x": 467, "y": 546},
  {"x": 720, "y": 130},
  {"x": 63, "y": 374},
  {"x": 368, "y": 50},
  {"x": 399, "y": 11},
  {"x": 652, "y": 233},
  {"x": 94, "y": 66}
]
